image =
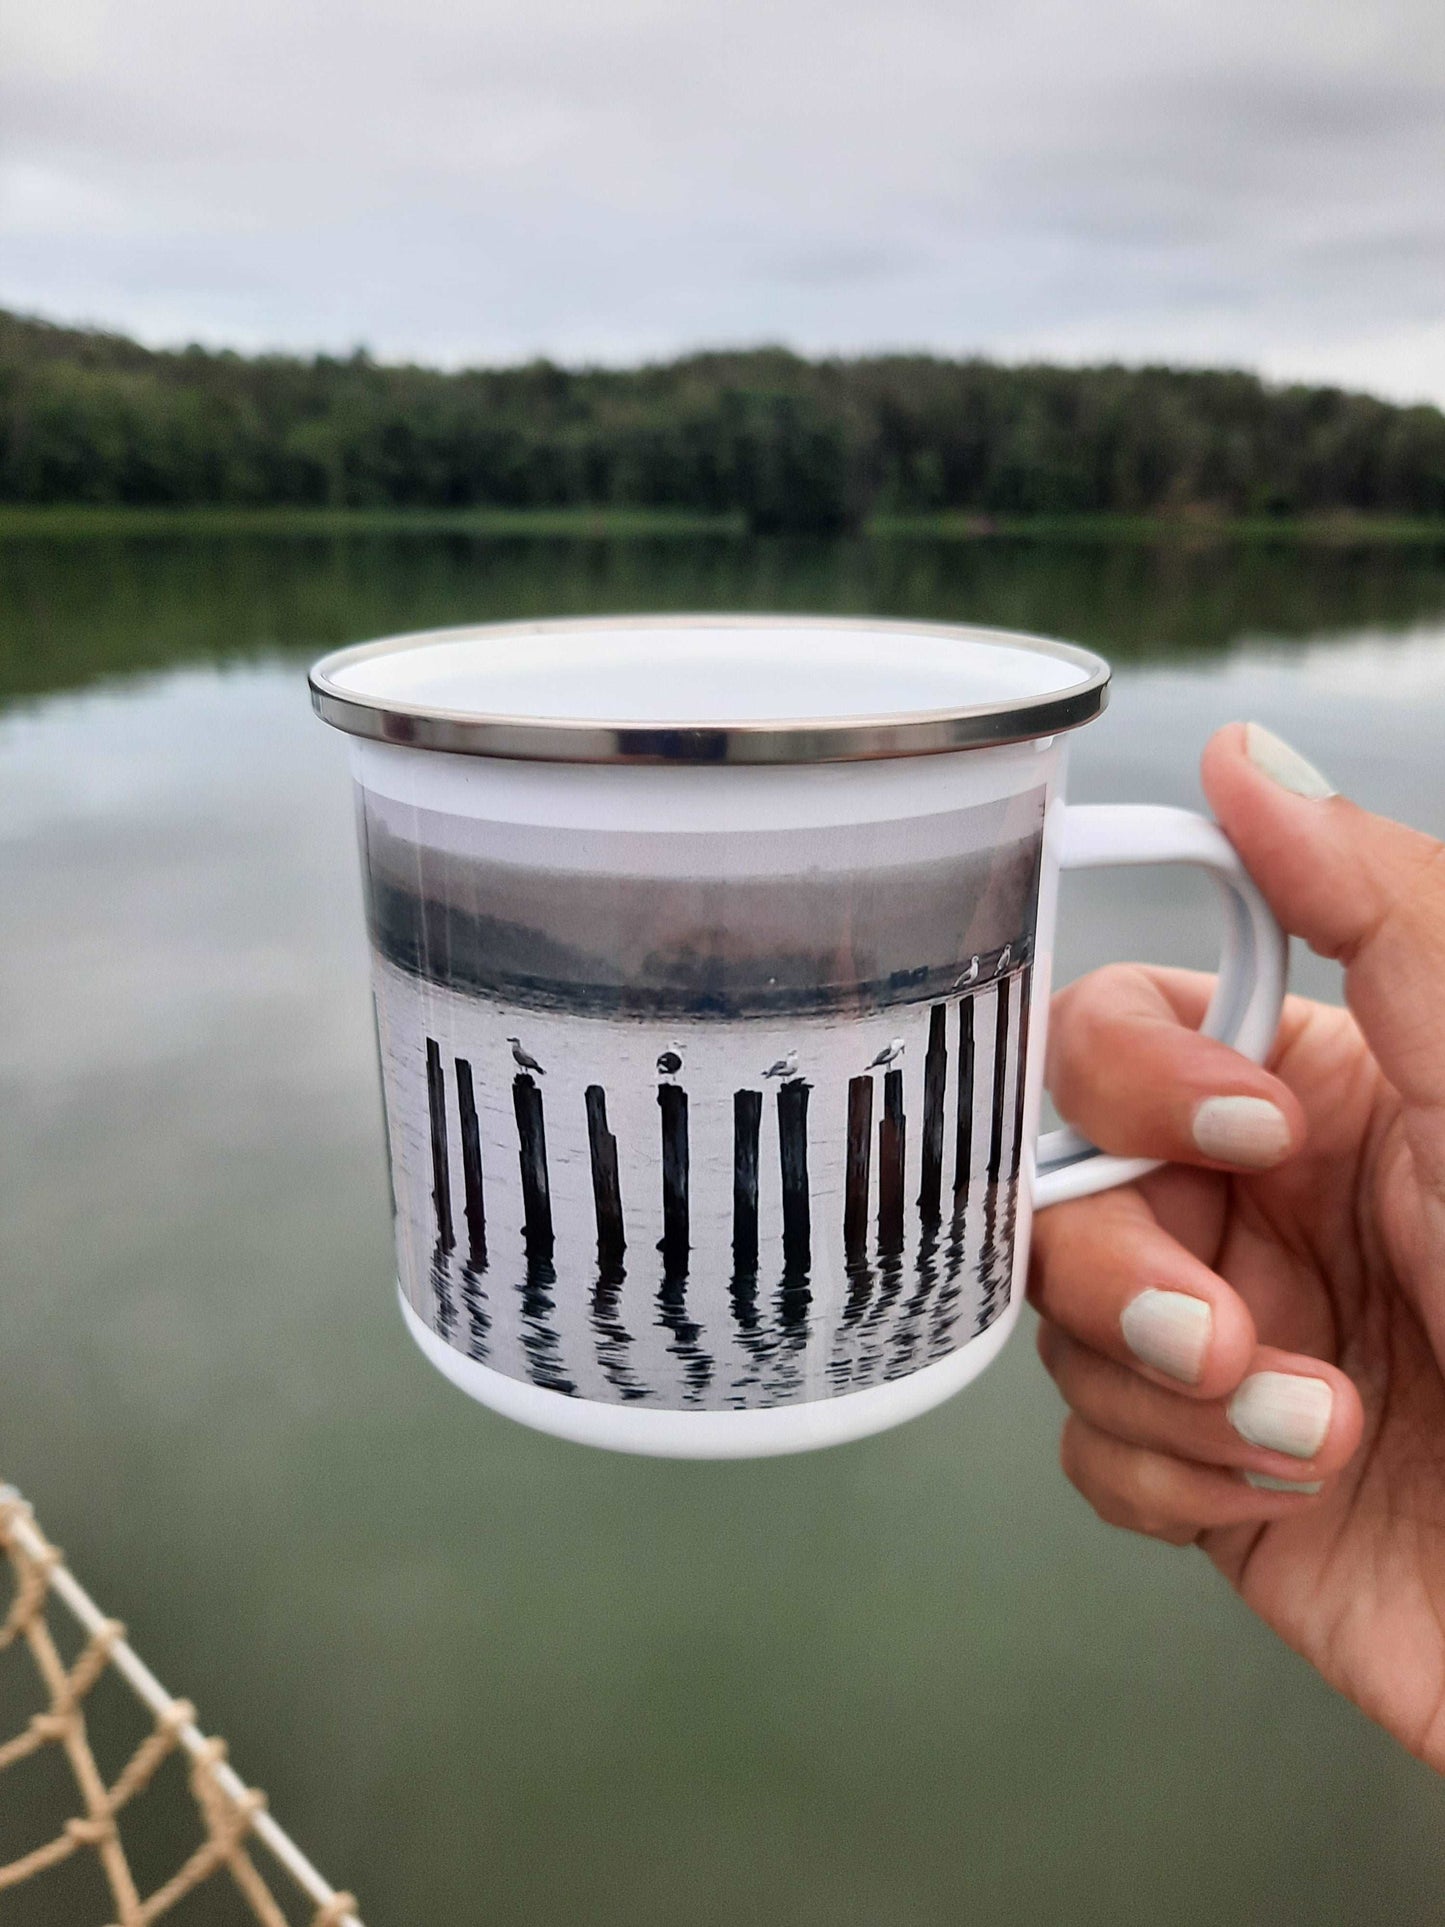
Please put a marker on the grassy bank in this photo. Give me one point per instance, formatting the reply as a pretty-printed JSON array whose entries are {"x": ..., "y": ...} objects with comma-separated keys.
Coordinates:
[
  {"x": 84, "y": 520},
  {"x": 18, "y": 522},
  {"x": 1192, "y": 529}
]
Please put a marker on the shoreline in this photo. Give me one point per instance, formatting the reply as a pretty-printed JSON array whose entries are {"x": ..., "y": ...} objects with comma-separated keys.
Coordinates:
[{"x": 59, "y": 521}]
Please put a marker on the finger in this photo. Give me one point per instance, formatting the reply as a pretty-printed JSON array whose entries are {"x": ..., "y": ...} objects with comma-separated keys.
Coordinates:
[
  {"x": 1126, "y": 1065},
  {"x": 1192, "y": 1206},
  {"x": 1165, "y": 1498},
  {"x": 1316, "y": 1411},
  {"x": 1356, "y": 887},
  {"x": 1105, "y": 1271}
]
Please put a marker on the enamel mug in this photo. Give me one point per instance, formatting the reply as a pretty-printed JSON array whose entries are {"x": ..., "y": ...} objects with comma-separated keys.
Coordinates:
[{"x": 711, "y": 967}]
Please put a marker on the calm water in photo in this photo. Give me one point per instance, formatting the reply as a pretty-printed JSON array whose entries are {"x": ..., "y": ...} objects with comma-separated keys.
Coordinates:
[{"x": 484, "y": 1675}]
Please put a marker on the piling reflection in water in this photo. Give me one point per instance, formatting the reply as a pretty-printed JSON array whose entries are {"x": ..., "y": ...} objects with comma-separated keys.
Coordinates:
[
  {"x": 812, "y": 1258},
  {"x": 473, "y": 1295},
  {"x": 611, "y": 1337},
  {"x": 540, "y": 1327},
  {"x": 444, "y": 1310}
]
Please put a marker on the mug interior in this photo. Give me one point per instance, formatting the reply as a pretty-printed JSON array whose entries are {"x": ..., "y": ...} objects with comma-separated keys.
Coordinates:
[{"x": 692, "y": 673}]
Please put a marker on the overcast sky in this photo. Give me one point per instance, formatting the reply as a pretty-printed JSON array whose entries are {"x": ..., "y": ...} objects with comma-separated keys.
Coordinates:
[{"x": 1257, "y": 182}]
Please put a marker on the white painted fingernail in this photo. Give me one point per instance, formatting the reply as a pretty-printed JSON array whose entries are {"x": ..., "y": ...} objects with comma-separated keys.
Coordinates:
[
  {"x": 1262, "y": 1482},
  {"x": 1283, "y": 1412},
  {"x": 1169, "y": 1330},
  {"x": 1284, "y": 765},
  {"x": 1242, "y": 1130}
]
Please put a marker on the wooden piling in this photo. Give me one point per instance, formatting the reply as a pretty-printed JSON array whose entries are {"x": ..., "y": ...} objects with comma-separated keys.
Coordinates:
[
  {"x": 676, "y": 1237},
  {"x": 793, "y": 1154},
  {"x": 935, "y": 1077},
  {"x": 606, "y": 1186},
  {"x": 747, "y": 1120},
  {"x": 892, "y": 1138},
  {"x": 532, "y": 1157},
  {"x": 963, "y": 1135},
  {"x": 441, "y": 1185},
  {"x": 1026, "y": 977},
  {"x": 1000, "y": 1080},
  {"x": 859, "y": 1166},
  {"x": 472, "y": 1167}
]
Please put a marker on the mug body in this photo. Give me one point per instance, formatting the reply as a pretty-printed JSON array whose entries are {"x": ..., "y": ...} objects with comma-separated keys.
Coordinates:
[{"x": 711, "y": 1086}]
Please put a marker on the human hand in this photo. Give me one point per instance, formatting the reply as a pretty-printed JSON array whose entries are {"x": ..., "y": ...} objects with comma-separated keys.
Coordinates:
[{"x": 1252, "y": 1339}]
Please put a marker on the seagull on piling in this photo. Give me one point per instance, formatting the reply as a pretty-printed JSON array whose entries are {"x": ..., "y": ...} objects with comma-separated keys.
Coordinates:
[
  {"x": 524, "y": 1060},
  {"x": 1004, "y": 957},
  {"x": 783, "y": 1066},
  {"x": 889, "y": 1054},
  {"x": 670, "y": 1061},
  {"x": 967, "y": 977}
]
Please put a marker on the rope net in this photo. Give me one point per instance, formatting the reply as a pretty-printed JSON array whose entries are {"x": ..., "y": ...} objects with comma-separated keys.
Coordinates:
[{"x": 233, "y": 1816}]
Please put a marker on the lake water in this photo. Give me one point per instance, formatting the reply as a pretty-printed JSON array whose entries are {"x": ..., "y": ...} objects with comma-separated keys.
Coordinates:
[{"x": 487, "y": 1676}]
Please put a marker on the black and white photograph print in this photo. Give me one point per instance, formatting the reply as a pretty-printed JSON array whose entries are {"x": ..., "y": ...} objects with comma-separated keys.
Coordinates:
[{"x": 705, "y": 1121}]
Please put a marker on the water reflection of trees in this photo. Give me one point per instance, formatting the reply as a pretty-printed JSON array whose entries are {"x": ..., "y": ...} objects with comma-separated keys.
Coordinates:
[{"x": 74, "y": 609}]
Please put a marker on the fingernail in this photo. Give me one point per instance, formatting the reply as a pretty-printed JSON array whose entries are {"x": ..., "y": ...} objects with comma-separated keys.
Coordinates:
[
  {"x": 1242, "y": 1130},
  {"x": 1284, "y": 765},
  {"x": 1169, "y": 1330},
  {"x": 1283, "y": 1412},
  {"x": 1262, "y": 1482}
]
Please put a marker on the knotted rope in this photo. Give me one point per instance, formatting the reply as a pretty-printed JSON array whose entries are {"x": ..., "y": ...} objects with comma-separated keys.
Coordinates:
[{"x": 233, "y": 1814}]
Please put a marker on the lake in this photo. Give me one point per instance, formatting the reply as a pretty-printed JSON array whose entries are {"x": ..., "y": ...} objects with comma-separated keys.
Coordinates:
[{"x": 481, "y": 1674}]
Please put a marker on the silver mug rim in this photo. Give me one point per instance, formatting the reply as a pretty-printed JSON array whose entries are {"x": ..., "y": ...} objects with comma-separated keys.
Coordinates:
[{"x": 807, "y": 740}]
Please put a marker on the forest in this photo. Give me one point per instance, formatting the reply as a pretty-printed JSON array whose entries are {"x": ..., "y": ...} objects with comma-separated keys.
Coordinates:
[{"x": 782, "y": 443}]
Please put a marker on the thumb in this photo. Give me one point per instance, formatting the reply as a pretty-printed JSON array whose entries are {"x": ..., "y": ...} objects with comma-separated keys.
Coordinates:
[{"x": 1359, "y": 888}]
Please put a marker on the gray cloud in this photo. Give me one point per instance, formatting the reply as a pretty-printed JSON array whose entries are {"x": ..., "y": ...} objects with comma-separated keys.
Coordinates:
[{"x": 464, "y": 179}]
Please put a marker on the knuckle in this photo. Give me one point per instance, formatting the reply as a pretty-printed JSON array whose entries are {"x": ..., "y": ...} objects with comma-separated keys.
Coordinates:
[
  {"x": 1121, "y": 1510},
  {"x": 1071, "y": 1455},
  {"x": 1061, "y": 1349},
  {"x": 1155, "y": 1501},
  {"x": 1116, "y": 1023},
  {"x": 1115, "y": 1510},
  {"x": 1035, "y": 1275},
  {"x": 1036, "y": 1288},
  {"x": 1151, "y": 1525},
  {"x": 1087, "y": 1390},
  {"x": 1154, "y": 1486},
  {"x": 1398, "y": 897},
  {"x": 1045, "y": 1263},
  {"x": 1071, "y": 1059},
  {"x": 1059, "y": 1230},
  {"x": 1093, "y": 1005},
  {"x": 1046, "y": 1342},
  {"x": 1052, "y": 1284},
  {"x": 1093, "y": 1480}
]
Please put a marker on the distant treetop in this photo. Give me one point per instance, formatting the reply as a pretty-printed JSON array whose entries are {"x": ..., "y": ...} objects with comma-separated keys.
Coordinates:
[{"x": 791, "y": 445}]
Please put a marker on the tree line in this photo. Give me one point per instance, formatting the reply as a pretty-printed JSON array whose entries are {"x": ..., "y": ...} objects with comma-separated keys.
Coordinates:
[{"x": 785, "y": 443}]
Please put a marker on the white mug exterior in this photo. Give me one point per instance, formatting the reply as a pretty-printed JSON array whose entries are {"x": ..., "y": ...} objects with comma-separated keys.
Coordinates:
[{"x": 579, "y": 834}]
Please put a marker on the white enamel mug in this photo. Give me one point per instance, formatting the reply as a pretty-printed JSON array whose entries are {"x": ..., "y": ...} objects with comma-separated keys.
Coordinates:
[{"x": 712, "y": 959}]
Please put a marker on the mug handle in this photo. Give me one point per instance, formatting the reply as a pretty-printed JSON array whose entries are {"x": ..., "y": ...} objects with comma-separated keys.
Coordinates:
[{"x": 1253, "y": 960}]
